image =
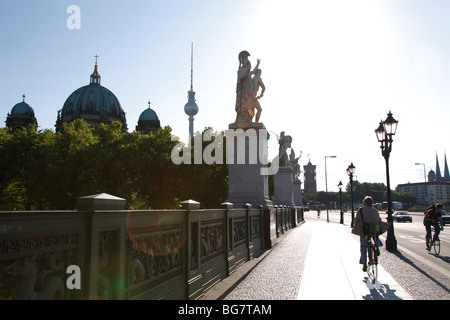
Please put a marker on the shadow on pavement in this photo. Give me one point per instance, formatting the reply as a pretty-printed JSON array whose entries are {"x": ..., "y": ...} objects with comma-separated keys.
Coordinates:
[
  {"x": 445, "y": 259},
  {"x": 384, "y": 293},
  {"x": 399, "y": 255}
]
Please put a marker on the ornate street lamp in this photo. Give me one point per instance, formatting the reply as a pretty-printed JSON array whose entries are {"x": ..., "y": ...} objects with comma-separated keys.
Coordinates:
[
  {"x": 340, "y": 201},
  {"x": 384, "y": 132},
  {"x": 326, "y": 186},
  {"x": 350, "y": 171}
]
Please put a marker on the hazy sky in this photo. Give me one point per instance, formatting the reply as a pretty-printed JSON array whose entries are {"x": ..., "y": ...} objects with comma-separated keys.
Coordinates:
[{"x": 332, "y": 70}]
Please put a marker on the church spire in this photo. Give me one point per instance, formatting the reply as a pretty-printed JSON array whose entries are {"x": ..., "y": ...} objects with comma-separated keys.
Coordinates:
[
  {"x": 446, "y": 172},
  {"x": 438, "y": 170}
]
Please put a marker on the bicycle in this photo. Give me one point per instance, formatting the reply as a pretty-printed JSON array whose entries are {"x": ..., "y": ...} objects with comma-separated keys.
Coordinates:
[
  {"x": 372, "y": 268},
  {"x": 435, "y": 242}
]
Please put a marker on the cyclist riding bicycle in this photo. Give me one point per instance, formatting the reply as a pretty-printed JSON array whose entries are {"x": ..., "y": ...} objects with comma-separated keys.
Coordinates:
[
  {"x": 367, "y": 215},
  {"x": 432, "y": 218}
]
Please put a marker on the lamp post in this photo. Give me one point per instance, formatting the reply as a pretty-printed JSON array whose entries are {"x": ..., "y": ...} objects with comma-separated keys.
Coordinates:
[
  {"x": 384, "y": 132},
  {"x": 350, "y": 171},
  {"x": 425, "y": 179},
  {"x": 340, "y": 202},
  {"x": 424, "y": 171},
  {"x": 326, "y": 185}
]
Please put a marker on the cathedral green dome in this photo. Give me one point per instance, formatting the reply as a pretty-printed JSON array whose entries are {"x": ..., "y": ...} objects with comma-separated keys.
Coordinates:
[
  {"x": 93, "y": 103},
  {"x": 148, "y": 115},
  {"x": 22, "y": 108},
  {"x": 148, "y": 121},
  {"x": 22, "y": 114}
]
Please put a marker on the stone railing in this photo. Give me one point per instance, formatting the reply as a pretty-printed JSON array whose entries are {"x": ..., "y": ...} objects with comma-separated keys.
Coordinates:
[{"x": 104, "y": 252}]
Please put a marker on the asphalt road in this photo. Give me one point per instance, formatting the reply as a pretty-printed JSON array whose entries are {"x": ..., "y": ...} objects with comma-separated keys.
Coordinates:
[{"x": 411, "y": 239}]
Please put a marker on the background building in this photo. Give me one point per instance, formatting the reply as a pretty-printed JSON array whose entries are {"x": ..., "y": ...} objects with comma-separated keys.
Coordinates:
[
  {"x": 148, "y": 121},
  {"x": 428, "y": 193},
  {"x": 22, "y": 114},
  {"x": 437, "y": 189},
  {"x": 93, "y": 103},
  {"x": 310, "y": 185}
]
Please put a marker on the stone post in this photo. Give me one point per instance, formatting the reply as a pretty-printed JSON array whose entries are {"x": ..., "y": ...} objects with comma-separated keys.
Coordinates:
[
  {"x": 283, "y": 186},
  {"x": 297, "y": 192}
]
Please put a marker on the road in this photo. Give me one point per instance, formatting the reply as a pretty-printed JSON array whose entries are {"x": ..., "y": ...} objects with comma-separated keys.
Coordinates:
[{"x": 411, "y": 239}]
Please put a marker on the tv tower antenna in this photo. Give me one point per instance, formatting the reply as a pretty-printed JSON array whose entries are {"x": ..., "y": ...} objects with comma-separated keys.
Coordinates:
[
  {"x": 191, "y": 108},
  {"x": 192, "y": 66}
]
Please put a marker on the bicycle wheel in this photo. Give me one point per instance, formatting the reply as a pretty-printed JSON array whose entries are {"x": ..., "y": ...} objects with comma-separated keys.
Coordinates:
[
  {"x": 372, "y": 270},
  {"x": 437, "y": 246},
  {"x": 373, "y": 267}
]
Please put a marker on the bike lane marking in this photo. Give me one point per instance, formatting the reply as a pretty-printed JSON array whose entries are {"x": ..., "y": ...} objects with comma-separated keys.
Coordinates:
[{"x": 324, "y": 277}]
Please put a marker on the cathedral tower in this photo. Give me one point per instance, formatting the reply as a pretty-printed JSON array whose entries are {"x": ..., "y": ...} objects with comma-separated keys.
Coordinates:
[{"x": 310, "y": 183}]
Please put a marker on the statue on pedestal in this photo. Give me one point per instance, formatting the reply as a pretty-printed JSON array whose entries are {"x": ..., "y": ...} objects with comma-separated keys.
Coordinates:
[
  {"x": 285, "y": 143},
  {"x": 295, "y": 165},
  {"x": 248, "y": 83}
]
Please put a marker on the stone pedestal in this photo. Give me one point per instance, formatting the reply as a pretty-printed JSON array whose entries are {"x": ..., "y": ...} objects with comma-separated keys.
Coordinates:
[
  {"x": 246, "y": 155},
  {"x": 283, "y": 186},
  {"x": 297, "y": 192}
]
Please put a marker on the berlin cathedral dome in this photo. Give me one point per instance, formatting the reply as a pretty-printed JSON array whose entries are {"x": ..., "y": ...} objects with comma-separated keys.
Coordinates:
[
  {"x": 93, "y": 103},
  {"x": 22, "y": 114},
  {"x": 148, "y": 121}
]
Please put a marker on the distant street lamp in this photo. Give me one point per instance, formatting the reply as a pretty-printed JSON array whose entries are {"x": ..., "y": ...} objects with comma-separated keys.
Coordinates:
[
  {"x": 326, "y": 186},
  {"x": 424, "y": 172},
  {"x": 384, "y": 132},
  {"x": 340, "y": 202},
  {"x": 350, "y": 171}
]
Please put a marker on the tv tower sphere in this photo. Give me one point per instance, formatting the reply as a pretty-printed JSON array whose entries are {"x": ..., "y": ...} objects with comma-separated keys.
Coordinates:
[{"x": 191, "y": 107}]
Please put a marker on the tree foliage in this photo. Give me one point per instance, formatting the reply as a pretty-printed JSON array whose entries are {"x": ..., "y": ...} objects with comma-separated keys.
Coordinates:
[
  {"x": 47, "y": 170},
  {"x": 376, "y": 190}
]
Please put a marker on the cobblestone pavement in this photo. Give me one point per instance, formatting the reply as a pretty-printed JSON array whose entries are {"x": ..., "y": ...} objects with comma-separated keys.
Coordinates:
[
  {"x": 419, "y": 280},
  {"x": 278, "y": 276}
]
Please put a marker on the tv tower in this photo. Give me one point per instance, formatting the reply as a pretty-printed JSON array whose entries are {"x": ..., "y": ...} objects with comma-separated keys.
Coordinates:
[{"x": 191, "y": 108}]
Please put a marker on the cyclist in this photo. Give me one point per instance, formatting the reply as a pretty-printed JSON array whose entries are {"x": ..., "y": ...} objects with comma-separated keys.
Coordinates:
[
  {"x": 432, "y": 218},
  {"x": 371, "y": 215}
]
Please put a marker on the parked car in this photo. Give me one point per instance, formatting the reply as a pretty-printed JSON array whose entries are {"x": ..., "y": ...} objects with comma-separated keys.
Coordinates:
[
  {"x": 445, "y": 217},
  {"x": 401, "y": 216}
]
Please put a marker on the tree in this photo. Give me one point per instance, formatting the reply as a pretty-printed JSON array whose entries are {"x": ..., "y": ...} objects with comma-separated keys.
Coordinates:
[
  {"x": 47, "y": 170},
  {"x": 26, "y": 154}
]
